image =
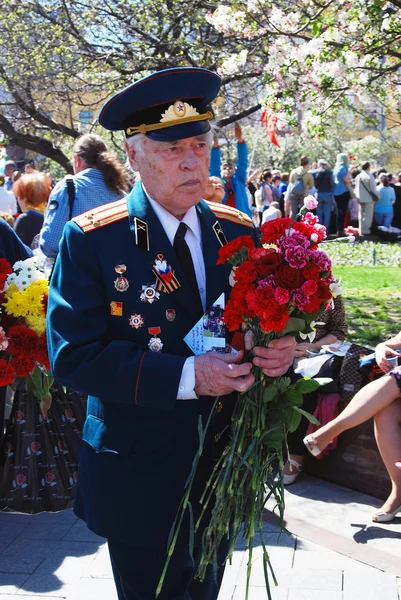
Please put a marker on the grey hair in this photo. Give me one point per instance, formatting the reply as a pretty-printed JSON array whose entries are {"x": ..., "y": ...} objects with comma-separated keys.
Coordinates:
[
  {"x": 322, "y": 163},
  {"x": 136, "y": 143}
]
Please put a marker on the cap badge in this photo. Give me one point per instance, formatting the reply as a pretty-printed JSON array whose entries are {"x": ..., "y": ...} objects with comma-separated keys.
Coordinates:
[{"x": 178, "y": 110}]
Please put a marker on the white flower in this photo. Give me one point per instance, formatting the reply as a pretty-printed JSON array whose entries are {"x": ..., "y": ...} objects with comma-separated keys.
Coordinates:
[
  {"x": 335, "y": 288},
  {"x": 311, "y": 335}
]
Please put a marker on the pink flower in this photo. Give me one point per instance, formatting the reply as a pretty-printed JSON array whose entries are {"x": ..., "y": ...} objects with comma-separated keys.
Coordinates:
[
  {"x": 281, "y": 295},
  {"x": 310, "y": 202},
  {"x": 299, "y": 300},
  {"x": 3, "y": 339},
  {"x": 296, "y": 257},
  {"x": 310, "y": 217},
  {"x": 309, "y": 287}
]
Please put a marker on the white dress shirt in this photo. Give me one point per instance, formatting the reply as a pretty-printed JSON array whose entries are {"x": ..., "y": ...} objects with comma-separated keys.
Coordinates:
[{"x": 193, "y": 238}]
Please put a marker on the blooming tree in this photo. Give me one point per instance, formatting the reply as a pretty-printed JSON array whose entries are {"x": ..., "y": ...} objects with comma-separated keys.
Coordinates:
[{"x": 317, "y": 56}]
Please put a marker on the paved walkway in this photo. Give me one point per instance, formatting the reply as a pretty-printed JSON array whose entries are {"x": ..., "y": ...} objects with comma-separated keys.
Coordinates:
[{"x": 332, "y": 554}]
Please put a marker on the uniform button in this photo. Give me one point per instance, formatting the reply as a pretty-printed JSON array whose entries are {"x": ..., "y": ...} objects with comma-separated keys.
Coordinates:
[
  {"x": 217, "y": 437},
  {"x": 219, "y": 407},
  {"x": 181, "y": 388}
]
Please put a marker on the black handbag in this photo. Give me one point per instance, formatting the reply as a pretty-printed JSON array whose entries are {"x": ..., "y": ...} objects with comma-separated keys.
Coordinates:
[{"x": 331, "y": 368}]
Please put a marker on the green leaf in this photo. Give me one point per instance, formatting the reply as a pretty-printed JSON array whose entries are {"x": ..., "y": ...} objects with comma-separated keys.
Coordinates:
[
  {"x": 293, "y": 397},
  {"x": 269, "y": 393},
  {"x": 292, "y": 418},
  {"x": 304, "y": 386},
  {"x": 310, "y": 417},
  {"x": 293, "y": 325}
]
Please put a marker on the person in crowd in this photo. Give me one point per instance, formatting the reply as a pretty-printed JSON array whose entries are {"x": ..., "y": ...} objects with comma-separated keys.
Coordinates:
[
  {"x": 234, "y": 176},
  {"x": 29, "y": 168},
  {"x": 323, "y": 180},
  {"x": 367, "y": 194},
  {"x": 8, "y": 218},
  {"x": 397, "y": 206},
  {"x": 331, "y": 329},
  {"x": 282, "y": 188},
  {"x": 266, "y": 188},
  {"x": 99, "y": 179},
  {"x": 9, "y": 168},
  {"x": 12, "y": 249},
  {"x": 271, "y": 213},
  {"x": 258, "y": 205},
  {"x": 251, "y": 184},
  {"x": 353, "y": 211},
  {"x": 33, "y": 192},
  {"x": 215, "y": 191},
  {"x": 8, "y": 202},
  {"x": 383, "y": 208},
  {"x": 341, "y": 189},
  {"x": 276, "y": 180},
  {"x": 113, "y": 335},
  {"x": 301, "y": 181},
  {"x": 379, "y": 399}
]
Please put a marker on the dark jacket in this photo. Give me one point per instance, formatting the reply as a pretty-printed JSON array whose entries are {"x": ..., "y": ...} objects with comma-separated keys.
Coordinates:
[
  {"x": 323, "y": 179},
  {"x": 138, "y": 440},
  {"x": 11, "y": 247}
]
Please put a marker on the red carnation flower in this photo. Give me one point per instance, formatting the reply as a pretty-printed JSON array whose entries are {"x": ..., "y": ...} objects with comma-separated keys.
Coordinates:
[
  {"x": 42, "y": 356},
  {"x": 273, "y": 230},
  {"x": 7, "y": 373},
  {"x": 228, "y": 250},
  {"x": 5, "y": 269},
  {"x": 315, "y": 302},
  {"x": 266, "y": 260},
  {"x": 23, "y": 366},
  {"x": 23, "y": 342},
  {"x": 246, "y": 273},
  {"x": 311, "y": 271},
  {"x": 276, "y": 319}
]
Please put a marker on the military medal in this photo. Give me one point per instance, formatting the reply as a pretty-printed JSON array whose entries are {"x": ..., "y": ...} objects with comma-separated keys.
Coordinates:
[
  {"x": 136, "y": 321},
  {"x": 116, "y": 309},
  {"x": 170, "y": 314},
  {"x": 121, "y": 283},
  {"x": 149, "y": 293},
  {"x": 155, "y": 344},
  {"x": 166, "y": 280}
]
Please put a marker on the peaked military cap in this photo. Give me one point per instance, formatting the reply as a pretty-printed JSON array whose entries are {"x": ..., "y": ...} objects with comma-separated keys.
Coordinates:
[{"x": 167, "y": 105}]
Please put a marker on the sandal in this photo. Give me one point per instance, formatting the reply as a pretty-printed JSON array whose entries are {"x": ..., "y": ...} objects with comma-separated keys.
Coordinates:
[{"x": 311, "y": 445}]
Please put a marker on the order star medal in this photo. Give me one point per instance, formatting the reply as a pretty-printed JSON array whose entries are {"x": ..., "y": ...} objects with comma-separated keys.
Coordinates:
[
  {"x": 149, "y": 293},
  {"x": 155, "y": 344},
  {"x": 121, "y": 283}
]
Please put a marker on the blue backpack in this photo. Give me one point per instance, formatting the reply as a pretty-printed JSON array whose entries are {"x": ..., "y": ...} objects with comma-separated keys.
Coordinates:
[{"x": 298, "y": 188}]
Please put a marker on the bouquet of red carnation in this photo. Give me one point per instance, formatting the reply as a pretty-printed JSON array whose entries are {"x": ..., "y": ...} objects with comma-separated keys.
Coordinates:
[
  {"x": 23, "y": 347},
  {"x": 278, "y": 289}
]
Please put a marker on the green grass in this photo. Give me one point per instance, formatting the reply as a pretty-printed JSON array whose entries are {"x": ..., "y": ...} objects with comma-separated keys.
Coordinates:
[{"x": 372, "y": 302}]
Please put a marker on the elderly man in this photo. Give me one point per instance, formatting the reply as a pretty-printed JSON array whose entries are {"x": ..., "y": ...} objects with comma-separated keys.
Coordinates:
[{"x": 131, "y": 280}]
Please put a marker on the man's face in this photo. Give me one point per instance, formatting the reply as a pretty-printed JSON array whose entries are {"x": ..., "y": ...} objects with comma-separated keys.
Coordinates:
[
  {"x": 227, "y": 171},
  {"x": 8, "y": 171},
  {"x": 175, "y": 174}
]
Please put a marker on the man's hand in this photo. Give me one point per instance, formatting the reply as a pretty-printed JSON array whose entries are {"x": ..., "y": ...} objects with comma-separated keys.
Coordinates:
[
  {"x": 218, "y": 374},
  {"x": 215, "y": 141},
  {"x": 277, "y": 358},
  {"x": 238, "y": 132},
  {"x": 303, "y": 349}
]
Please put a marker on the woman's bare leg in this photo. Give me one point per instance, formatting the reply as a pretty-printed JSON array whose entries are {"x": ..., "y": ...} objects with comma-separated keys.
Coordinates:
[
  {"x": 370, "y": 400},
  {"x": 388, "y": 438}
]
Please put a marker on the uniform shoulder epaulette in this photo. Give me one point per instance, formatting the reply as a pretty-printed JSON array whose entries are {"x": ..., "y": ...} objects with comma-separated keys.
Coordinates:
[
  {"x": 102, "y": 215},
  {"x": 222, "y": 211}
]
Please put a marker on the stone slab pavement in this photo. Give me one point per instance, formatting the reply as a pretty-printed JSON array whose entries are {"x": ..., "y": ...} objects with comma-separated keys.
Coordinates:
[{"x": 332, "y": 553}]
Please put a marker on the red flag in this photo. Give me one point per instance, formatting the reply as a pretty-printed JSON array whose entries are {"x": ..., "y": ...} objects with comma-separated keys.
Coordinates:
[{"x": 269, "y": 120}]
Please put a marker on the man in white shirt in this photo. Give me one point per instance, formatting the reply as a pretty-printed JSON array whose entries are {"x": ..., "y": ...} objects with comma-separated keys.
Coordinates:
[
  {"x": 8, "y": 202},
  {"x": 131, "y": 280}
]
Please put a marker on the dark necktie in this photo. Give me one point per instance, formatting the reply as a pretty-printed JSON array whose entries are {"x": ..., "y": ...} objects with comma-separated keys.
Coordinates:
[{"x": 184, "y": 256}]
